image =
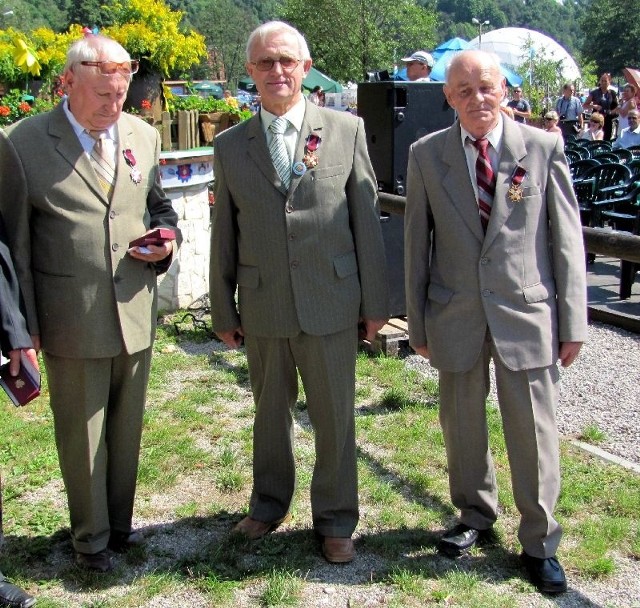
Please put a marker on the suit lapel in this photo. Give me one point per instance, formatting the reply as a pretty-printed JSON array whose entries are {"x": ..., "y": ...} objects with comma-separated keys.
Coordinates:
[
  {"x": 125, "y": 137},
  {"x": 457, "y": 181},
  {"x": 513, "y": 151},
  {"x": 259, "y": 152},
  {"x": 311, "y": 123},
  {"x": 70, "y": 148}
]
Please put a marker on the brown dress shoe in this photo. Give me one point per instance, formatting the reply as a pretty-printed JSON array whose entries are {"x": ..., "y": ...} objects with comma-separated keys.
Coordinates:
[
  {"x": 254, "y": 529},
  {"x": 121, "y": 542},
  {"x": 338, "y": 550},
  {"x": 100, "y": 561}
]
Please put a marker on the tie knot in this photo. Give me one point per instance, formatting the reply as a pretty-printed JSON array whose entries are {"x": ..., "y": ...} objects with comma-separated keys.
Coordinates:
[
  {"x": 97, "y": 135},
  {"x": 481, "y": 144},
  {"x": 279, "y": 125}
]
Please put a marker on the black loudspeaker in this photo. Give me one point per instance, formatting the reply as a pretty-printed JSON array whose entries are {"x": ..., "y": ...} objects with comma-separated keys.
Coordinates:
[{"x": 395, "y": 115}]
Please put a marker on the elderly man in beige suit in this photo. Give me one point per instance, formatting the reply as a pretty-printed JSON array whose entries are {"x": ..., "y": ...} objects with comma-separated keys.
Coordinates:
[
  {"x": 297, "y": 232},
  {"x": 90, "y": 299},
  {"x": 506, "y": 283}
]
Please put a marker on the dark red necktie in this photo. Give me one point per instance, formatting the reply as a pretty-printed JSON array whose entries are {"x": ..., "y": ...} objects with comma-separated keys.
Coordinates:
[{"x": 486, "y": 180}]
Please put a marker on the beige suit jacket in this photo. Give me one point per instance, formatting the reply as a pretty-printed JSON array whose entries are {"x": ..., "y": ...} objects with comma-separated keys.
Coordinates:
[
  {"x": 525, "y": 279},
  {"x": 309, "y": 259},
  {"x": 84, "y": 295}
]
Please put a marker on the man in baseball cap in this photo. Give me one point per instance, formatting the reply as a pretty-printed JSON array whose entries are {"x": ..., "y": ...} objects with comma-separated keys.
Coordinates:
[{"x": 419, "y": 66}]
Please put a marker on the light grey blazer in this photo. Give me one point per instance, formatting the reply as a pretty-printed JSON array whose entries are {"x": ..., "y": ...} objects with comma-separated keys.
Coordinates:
[{"x": 525, "y": 279}]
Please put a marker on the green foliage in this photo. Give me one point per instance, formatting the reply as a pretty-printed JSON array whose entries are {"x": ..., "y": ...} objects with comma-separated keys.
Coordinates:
[
  {"x": 611, "y": 35},
  {"x": 348, "y": 38},
  {"x": 149, "y": 29},
  {"x": 13, "y": 107},
  {"x": 206, "y": 104}
]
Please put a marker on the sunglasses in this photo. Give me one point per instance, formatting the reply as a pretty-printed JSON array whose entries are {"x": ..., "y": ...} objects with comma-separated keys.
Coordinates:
[
  {"x": 108, "y": 68},
  {"x": 288, "y": 64}
]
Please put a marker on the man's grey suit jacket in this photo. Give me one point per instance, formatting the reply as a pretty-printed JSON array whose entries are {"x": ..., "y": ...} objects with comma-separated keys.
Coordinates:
[
  {"x": 84, "y": 295},
  {"x": 525, "y": 279},
  {"x": 309, "y": 259}
]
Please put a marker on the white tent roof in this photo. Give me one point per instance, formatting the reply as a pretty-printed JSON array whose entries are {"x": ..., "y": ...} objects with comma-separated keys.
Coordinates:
[{"x": 509, "y": 43}]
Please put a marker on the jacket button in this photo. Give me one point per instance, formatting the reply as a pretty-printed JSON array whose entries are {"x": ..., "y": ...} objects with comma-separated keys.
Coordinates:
[
  {"x": 295, "y": 264},
  {"x": 484, "y": 261},
  {"x": 112, "y": 214},
  {"x": 486, "y": 293},
  {"x": 292, "y": 236},
  {"x": 115, "y": 247}
]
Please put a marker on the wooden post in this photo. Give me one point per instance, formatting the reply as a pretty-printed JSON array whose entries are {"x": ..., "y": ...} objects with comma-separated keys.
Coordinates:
[{"x": 166, "y": 131}]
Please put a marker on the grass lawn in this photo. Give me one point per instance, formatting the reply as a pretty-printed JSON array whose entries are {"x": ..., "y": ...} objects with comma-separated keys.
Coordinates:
[{"x": 195, "y": 480}]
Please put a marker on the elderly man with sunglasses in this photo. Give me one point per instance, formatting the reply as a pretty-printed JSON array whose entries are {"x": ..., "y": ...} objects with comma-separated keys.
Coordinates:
[{"x": 78, "y": 184}]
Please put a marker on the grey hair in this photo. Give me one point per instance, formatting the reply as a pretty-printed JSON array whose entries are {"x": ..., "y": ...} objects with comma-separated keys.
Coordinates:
[
  {"x": 95, "y": 47},
  {"x": 491, "y": 58},
  {"x": 262, "y": 32}
]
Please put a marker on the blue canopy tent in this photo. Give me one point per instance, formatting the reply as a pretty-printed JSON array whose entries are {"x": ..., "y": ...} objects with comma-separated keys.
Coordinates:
[
  {"x": 438, "y": 71},
  {"x": 454, "y": 44}
]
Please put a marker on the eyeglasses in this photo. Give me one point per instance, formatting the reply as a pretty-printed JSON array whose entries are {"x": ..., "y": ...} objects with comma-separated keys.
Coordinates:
[
  {"x": 288, "y": 64},
  {"x": 108, "y": 68},
  {"x": 594, "y": 122},
  {"x": 517, "y": 91},
  {"x": 629, "y": 117}
]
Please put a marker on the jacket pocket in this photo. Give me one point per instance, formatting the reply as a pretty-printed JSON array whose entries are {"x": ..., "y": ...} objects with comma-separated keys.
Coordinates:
[
  {"x": 345, "y": 264},
  {"x": 536, "y": 293},
  {"x": 248, "y": 276},
  {"x": 439, "y": 294},
  {"x": 328, "y": 172}
]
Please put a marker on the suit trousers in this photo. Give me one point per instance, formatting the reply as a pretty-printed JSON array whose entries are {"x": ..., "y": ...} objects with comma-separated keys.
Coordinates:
[
  {"x": 527, "y": 401},
  {"x": 98, "y": 406},
  {"x": 327, "y": 370}
]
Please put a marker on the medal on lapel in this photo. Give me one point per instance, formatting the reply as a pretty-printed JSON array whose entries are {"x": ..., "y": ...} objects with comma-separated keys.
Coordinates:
[
  {"x": 130, "y": 159},
  {"x": 515, "y": 192}
]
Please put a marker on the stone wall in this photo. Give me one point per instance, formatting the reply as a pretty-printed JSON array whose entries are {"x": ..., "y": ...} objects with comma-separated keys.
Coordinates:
[{"x": 188, "y": 277}]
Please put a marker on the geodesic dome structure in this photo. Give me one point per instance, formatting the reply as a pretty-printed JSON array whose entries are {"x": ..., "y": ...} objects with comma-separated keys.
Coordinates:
[{"x": 509, "y": 44}]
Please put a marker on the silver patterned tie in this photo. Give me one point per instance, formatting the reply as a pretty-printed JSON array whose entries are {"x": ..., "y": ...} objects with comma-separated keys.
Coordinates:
[
  {"x": 103, "y": 161},
  {"x": 278, "y": 150}
]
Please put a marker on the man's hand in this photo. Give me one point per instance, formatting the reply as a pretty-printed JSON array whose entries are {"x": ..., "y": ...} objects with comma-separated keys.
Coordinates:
[
  {"x": 14, "y": 359},
  {"x": 157, "y": 252},
  {"x": 233, "y": 338},
  {"x": 568, "y": 352},
  {"x": 423, "y": 351},
  {"x": 371, "y": 328}
]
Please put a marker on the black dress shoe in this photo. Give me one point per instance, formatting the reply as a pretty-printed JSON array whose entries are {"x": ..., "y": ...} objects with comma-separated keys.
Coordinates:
[
  {"x": 546, "y": 573},
  {"x": 458, "y": 540},
  {"x": 121, "y": 542},
  {"x": 14, "y": 597},
  {"x": 100, "y": 561}
]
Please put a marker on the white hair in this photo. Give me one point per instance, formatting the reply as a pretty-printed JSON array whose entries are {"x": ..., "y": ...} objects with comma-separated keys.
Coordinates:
[
  {"x": 262, "y": 32},
  {"x": 488, "y": 59},
  {"x": 95, "y": 47}
]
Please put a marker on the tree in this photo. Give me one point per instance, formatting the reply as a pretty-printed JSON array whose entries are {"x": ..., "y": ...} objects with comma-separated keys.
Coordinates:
[
  {"x": 611, "y": 35},
  {"x": 87, "y": 13},
  {"x": 348, "y": 38}
]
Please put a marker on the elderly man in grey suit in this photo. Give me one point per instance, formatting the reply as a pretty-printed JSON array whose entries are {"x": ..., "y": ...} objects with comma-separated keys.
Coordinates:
[
  {"x": 297, "y": 232},
  {"x": 79, "y": 184},
  {"x": 495, "y": 270}
]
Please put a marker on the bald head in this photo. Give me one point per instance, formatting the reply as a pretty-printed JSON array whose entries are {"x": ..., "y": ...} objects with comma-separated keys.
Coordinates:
[{"x": 475, "y": 87}]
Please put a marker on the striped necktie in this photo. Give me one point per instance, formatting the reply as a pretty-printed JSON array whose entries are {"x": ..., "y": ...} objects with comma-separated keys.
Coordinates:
[
  {"x": 278, "y": 150},
  {"x": 103, "y": 161},
  {"x": 485, "y": 179}
]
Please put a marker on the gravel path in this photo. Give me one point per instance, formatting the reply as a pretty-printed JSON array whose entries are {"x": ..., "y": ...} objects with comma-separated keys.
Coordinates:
[{"x": 601, "y": 389}]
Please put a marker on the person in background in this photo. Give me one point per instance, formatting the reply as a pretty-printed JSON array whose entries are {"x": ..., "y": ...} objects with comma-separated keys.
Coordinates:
[
  {"x": 628, "y": 103},
  {"x": 520, "y": 106},
  {"x": 229, "y": 98},
  {"x": 14, "y": 341},
  {"x": 90, "y": 298},
  {"x": 603, "y": 100},
  {"x": 309, "y": 267},
  {"x": 494, "y": 262},
  {"x": 593, "y": 130},
  {"x": 630, "y": 136},
  {"x": 569, "y": 109},
  {"x": 419, "y": 66},
  {"x": 551, "y": 122},
  {"x": 317, "y": 96}
]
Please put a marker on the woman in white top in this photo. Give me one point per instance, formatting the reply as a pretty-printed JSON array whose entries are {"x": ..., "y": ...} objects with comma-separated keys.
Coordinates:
[{"x": 627, "y": 103}]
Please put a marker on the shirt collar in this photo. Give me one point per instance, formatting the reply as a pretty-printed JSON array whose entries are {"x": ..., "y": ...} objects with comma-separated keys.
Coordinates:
[
  {"x": 78, "y": 128},
  {"x": 295, "y": 116},
  {"x": 494, "y": 136}
]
